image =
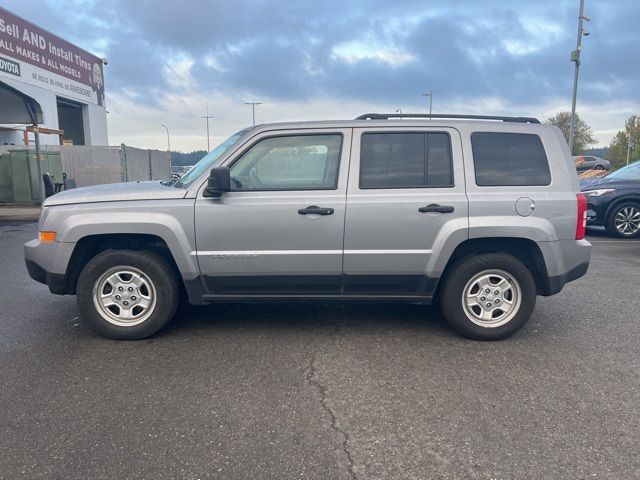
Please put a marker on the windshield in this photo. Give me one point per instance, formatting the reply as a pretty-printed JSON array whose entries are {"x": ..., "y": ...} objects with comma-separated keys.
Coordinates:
[
  {"x": 211, "y": 159},
  {"x": 630, "y": 172}
]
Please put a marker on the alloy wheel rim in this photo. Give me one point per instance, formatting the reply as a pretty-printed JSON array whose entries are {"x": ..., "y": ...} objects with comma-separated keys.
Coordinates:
[
  {"x": 124, "y": 296},
  {"x": 627, "y": 220},
  {"x": 491, "y": 298}
]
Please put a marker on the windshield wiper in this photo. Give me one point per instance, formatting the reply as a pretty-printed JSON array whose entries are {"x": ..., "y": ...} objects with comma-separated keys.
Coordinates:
[{"x": 175, "y": 177}]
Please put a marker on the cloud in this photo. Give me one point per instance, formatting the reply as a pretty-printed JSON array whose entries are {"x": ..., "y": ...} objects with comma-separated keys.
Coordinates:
[{"x": 513, "y": 56}]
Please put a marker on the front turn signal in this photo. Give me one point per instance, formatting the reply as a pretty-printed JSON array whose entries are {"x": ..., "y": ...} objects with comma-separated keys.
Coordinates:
[{"x": 47, "y": 237}]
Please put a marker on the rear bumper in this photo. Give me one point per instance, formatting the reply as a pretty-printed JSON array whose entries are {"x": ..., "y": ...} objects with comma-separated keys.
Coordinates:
[
  {"x": 566, "y": 261},
  {"x": 557, "y": 282}
]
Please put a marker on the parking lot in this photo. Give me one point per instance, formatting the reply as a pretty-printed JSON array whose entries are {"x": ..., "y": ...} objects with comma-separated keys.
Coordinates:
[{"x": 324, "y": 391}]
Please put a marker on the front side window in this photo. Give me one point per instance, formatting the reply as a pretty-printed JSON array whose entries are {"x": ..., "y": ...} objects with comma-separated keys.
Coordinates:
[
  {"x": 509, "y": 159},
  {"x": 405, "y": 160},
  {"x": 296, "y": 162}
]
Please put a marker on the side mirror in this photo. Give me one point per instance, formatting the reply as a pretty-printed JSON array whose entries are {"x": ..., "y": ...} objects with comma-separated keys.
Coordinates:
[{"x": 218, "y": 183}]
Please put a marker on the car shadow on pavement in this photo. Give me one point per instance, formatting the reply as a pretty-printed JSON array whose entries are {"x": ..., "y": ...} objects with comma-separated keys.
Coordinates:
[
  {"x": 598, "y": 232},
  {"x": 306, "y": 315}
]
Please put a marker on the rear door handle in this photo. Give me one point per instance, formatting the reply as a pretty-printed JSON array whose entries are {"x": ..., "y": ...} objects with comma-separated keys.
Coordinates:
[
  {"x": 315, "y": 210},
  {"x": 435, "y": 208}
]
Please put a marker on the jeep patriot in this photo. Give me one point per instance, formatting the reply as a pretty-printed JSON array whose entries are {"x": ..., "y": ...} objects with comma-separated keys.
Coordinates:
[{"x": 478, "y": 214}]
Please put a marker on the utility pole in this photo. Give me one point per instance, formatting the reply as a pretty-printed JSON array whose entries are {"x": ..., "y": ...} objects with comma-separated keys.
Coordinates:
[
  {"x": 207, "y": 117},
  {"x": 168, "y": 141},
  {"x": 430, "y": 95},
  {"x": 253, "y": 110},
  {"x": 575, "y": 57}
]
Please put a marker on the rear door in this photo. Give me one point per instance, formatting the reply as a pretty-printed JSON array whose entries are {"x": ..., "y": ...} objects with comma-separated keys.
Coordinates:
[
  {"x": 280, "y": 230},
  {"x": 406, "y": 197}
]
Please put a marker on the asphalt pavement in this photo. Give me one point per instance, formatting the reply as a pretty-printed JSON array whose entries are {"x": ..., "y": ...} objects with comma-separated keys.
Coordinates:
[{"x": 323, "y": 391}]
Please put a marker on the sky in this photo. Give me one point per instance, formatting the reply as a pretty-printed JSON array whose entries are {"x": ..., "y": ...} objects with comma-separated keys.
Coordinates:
[{"x": 335, "y": 59}]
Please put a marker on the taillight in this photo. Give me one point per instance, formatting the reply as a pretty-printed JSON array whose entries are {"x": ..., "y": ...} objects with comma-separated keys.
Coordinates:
[{"x": 581, "y": 224}]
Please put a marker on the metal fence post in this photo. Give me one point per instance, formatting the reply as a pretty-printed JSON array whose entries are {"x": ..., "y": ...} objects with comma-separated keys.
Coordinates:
[
  {"x": 123, "y": 161},
  {"x": 150, "y": 167}
]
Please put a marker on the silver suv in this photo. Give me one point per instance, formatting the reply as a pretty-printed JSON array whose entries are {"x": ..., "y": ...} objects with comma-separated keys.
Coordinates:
[{"x": 479, "y": 214}]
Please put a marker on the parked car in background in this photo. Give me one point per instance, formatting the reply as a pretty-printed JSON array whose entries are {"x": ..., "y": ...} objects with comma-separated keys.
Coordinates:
[
  {"x": 614, "y": 201},
  {"x": 588, "y": 162}
]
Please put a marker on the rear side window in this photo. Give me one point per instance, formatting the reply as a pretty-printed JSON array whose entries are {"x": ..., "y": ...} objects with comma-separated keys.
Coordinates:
[
  {"x": 405, "y": 160},
  {"x": 513, "y": 159}
]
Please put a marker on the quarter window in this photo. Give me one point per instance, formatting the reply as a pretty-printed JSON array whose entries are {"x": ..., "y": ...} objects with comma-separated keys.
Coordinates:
[
  {"x": 513, "y": 159},
  {"x": 300, "y": 162},
  {"x": 405, "y": 160}
]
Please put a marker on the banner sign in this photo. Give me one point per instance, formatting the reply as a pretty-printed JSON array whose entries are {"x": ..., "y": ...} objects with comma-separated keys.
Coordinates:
[{"x": 37, "y": 57}]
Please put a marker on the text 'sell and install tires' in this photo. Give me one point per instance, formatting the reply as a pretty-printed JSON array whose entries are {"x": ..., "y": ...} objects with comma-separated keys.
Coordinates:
[
  {"x": 489, "y": 296},
  {"x": 127, "y": 294}
]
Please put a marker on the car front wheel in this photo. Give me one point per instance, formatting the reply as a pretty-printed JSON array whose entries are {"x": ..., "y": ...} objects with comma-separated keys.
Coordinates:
[
  {"x": 127, "y": 294},
  {"x": 488, "y": 296}
]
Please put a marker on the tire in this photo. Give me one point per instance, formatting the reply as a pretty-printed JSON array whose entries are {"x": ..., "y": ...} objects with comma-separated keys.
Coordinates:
[
  {"x": 615, "y": 220},
  {"x": 150, "y": 304},
  {"x": 510, "y": 309}
]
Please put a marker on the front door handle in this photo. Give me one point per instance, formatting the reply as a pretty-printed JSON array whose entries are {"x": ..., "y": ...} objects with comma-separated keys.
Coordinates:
[
  {"x": 315, "y": 210},
  {"x": 435, "y": 208}
]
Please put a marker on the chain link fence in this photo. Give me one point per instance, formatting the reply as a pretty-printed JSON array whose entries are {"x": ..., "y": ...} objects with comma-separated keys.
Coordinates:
[{"x": 95, "y": 165}]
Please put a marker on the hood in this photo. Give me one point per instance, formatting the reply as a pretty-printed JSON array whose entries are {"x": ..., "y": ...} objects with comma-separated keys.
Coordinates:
[
  {"x": 114, "y": 192},
  {"x": 617, "y": 183}
]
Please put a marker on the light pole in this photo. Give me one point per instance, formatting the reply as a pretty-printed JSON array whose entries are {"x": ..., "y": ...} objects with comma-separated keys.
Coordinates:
[
  {"x": 630, "y": 140},
  {"x": 168, "y": 141},
  {"x": 430, "y": 95},
  {"x": 575, "y": 57},
  {"x": 253, "y": 110},
  {"x": 207, "y": 117}
]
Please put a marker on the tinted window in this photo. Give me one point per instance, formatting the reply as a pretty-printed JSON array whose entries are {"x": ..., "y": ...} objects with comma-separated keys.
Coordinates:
[
  {"x": 301, "y": 162},
  {"x": 405, "y": 160},
  {"x": 514, "y": 159}
]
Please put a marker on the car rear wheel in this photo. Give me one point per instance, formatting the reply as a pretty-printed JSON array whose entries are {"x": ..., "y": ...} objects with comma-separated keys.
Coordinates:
[
  {"x": 488, "y": 297},
  {"x": 624, "y": 220},
  {"x": 127, "y": 294}
]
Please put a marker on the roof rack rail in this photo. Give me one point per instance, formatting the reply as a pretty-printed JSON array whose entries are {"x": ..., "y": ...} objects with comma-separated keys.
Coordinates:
[{"x": 386, "y": 116}]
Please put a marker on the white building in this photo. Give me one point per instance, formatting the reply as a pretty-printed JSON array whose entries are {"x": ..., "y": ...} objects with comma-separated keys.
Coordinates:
[{"x": 67, "y": 81}]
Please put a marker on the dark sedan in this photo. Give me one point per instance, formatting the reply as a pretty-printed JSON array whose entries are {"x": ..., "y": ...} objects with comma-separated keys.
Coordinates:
[{"x": 614, "y": 201}]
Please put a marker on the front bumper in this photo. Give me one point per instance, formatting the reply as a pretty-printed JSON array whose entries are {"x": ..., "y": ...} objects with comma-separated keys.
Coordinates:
[
  {"x": 597, "y": 209},
  {"x": 47, "y": 263},
  {"x": 56, "y": 282}
]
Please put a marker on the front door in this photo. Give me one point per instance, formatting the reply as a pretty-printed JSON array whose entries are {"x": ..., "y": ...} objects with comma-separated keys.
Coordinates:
[
  {"x": 406, "y": 200},
  {"x": 280, "y": 231}
]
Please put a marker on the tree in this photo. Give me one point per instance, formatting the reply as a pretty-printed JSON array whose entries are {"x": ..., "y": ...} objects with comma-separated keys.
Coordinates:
[
  {"x": 619, "y": 145},
  {"x": 582, "y": 135}
]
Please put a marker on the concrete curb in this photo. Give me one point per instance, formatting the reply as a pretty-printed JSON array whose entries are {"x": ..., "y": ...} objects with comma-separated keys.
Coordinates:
[{"x": 19, "y": 214}]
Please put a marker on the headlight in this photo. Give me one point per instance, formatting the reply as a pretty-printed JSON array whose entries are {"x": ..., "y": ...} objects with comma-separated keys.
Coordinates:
[{"x": 597, "y": 193}]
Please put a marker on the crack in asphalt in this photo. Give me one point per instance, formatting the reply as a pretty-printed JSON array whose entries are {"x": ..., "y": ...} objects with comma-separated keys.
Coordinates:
[{"x": 311, "y": 378}]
